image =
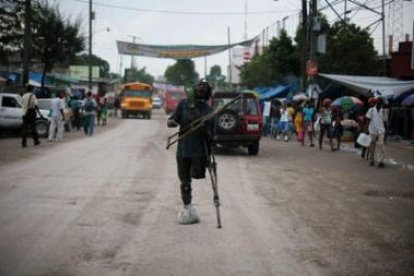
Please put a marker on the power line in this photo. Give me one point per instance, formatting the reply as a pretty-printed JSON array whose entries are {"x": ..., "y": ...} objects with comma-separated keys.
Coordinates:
[{"x": 182, "y": 12}]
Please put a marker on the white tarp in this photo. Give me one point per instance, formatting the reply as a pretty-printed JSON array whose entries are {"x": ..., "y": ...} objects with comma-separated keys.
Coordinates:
[
  {"x": 364, "y": 84},
  {"x": 176, "y": 51}
]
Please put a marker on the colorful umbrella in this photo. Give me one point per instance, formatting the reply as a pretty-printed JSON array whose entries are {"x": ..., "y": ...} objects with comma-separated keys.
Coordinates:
[
  {"x": 300, "y": 97},
  {"x": 347, "y": 102},
  {"x": 409, "y": 100}
]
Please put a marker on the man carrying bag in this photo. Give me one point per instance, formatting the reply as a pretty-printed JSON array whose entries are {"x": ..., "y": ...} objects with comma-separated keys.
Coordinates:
[{"x": 29, "y": 117}]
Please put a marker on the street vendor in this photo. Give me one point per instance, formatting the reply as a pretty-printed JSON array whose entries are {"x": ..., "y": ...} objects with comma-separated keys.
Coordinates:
[{"x": 192, "y": 150}]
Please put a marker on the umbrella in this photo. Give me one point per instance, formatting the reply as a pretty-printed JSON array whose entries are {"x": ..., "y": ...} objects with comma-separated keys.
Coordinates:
[
  {"x": 347, "y": 102},
  {"x": 300, "y": 97},
  {"x": 409, "y": 100}
]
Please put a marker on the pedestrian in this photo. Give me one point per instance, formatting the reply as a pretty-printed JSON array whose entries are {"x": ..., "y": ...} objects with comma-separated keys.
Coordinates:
[
  {"x": 338, "y": 131},
  {"x": 117, "y": 105},
  {"x": 57, "y": 117},
  {"x": 284, "y": 122},
  {"x": 365, "y": 151},
  {"x": 308, "y": 112},
  {"x": 89, "y": 106},
  {"x": 75, "y": 104},
  {"x": 30, "y": 107},
  {"x": 104, "y": 111},
  {"x": 192, "y": 151},
  {"x": 300, "y": 133},
  {"x": 376, "y": 129},
  {"x": 326, "y": 123},
  {"x": 98, "y": 110}
]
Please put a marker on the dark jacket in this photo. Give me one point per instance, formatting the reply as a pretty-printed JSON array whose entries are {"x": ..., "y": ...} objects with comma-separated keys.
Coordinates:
[{"x": 186, "y": 112}]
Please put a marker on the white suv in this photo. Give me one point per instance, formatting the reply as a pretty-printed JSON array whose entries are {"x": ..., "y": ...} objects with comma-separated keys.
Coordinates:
[{"x": 11, "y": 114}]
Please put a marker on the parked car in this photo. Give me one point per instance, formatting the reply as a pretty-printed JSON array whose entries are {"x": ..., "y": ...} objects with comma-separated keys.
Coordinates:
[
  {"x": 172, "y": 98},
  {"x": 240, "y": 124},
  {"x": 11, "y": 114},
  {"x": 156, "y": 102}
]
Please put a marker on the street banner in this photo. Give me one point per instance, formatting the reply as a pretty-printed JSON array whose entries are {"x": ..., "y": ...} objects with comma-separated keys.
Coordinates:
[{"x": 176, "y": 51}]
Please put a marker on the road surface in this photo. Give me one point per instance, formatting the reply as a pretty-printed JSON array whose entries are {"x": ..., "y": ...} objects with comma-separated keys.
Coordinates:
[{"x": 107, "y": 205}]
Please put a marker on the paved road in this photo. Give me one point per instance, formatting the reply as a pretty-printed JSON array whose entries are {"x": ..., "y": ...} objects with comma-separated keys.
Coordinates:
[{"x": 107, "y": 205}]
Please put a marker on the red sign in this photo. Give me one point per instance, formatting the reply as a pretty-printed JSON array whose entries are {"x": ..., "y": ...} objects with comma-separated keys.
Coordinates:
[
  {"x": 311, "y": 68},
  {"x": 246, "y": 55}
]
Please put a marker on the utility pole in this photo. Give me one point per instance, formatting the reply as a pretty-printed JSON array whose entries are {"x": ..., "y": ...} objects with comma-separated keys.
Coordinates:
[
  {"x": 27, "y": 44},
  {"x": 384, "y": 56},
  {"x": 91, "y": 17},
  {"x": 304, "y": 44},
  {"x": 230, "y": 65},
  {"x": 133, "y": 57}
]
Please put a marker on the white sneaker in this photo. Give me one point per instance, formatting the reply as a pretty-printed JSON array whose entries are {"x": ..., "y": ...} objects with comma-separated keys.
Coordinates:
[{"x": 188, "y": 216}]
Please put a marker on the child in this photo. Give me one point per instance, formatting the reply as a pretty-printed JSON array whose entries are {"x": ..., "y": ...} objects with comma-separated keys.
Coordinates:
[{"x": 338, "y": 131}]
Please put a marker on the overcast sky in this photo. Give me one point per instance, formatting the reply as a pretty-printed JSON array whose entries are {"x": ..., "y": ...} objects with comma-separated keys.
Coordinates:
[{"x": 188, "y": 27}]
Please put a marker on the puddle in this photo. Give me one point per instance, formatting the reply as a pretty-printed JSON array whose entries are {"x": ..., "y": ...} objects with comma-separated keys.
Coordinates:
[{"x": 387, "y": 161}]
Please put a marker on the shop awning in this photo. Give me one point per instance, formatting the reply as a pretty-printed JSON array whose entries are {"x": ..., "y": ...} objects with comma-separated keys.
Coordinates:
[
  {"x": 363, "y": 85},
  {"x": 62, "y": 78},
  {"x": 280, "y": 91}
]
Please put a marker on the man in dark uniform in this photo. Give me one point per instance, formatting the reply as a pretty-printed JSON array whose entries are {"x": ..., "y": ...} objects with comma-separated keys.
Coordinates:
[{"x": 192, "y": 150}]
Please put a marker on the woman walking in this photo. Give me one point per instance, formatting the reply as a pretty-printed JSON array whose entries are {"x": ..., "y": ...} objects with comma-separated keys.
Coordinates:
[{"x": 326, "y": 123}]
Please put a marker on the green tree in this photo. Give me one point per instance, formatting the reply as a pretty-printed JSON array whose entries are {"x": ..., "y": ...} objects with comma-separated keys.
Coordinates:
[
  {"x": 83, "y": 59},
  {"x": 140, "y": 75},
  {"x": 349, "y": 50},
  {"x": 11, "y": 28},
  {"x": 215, "y": 78},
  {"x": 257, "y": 72},
  {"x": 182, "y": 73},
  {"x": 279, "y": 61},
  {"x": 283, "y": 57},
  {"x": 56, "y": 39}
]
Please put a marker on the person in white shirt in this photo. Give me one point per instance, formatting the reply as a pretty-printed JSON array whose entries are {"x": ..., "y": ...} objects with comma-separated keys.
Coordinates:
[
  {"x": 376, "y": 129},
  {"x": 57, "y": 117},
  {"x": 284, "y": 122}
]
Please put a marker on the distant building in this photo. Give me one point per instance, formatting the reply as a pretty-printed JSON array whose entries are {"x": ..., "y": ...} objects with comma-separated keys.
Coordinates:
[
  {"x": 239, "y": 56},
  {"x": 401, "y": 67}
]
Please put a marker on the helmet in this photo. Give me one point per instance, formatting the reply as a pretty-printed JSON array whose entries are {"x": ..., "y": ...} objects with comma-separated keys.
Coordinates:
[
  {"x": 203, "y": 90},
  {"x": 326, "y": 102}
]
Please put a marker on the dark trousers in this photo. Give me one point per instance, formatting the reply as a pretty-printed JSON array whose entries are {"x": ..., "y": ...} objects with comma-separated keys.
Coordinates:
[
  {"x": 328, "y": 129},
  {"x": 29, "y": 124},
  {"x": 188, "y": 168},
  {"x": 77, "y": 119}
]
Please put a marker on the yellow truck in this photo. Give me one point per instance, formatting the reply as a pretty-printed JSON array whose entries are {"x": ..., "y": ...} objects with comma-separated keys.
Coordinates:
[{"x": 136, "y": 99}]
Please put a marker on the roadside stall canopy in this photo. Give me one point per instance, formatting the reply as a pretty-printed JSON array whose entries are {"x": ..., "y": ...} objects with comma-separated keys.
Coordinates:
[
  {"x": 280, "y": 91},
  {"x": 387, "y": 87},
  {"x": 62, "y": 78}
]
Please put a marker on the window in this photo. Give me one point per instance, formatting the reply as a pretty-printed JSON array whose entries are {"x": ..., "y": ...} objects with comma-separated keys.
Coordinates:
[
  {"x": 137, "y": 93},
  {"x": 251, "y": 106},
  {"x": 10, "y": 102}
]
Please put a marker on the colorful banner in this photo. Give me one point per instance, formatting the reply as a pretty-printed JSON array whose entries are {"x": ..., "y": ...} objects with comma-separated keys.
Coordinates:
[{"x": 176, "y": 51}]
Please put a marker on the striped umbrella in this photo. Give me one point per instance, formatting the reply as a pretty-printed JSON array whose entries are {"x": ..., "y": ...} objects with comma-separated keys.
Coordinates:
[{"x": 347, "y": 102}]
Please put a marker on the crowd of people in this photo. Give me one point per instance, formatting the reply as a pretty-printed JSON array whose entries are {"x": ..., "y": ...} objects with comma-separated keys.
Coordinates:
[
  {"x": 305, "y": 122},
  {"x": 85, "y": 112}
]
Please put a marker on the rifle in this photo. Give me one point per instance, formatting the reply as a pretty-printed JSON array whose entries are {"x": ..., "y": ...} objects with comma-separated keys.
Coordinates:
[{"x": 196, "y": 124}]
